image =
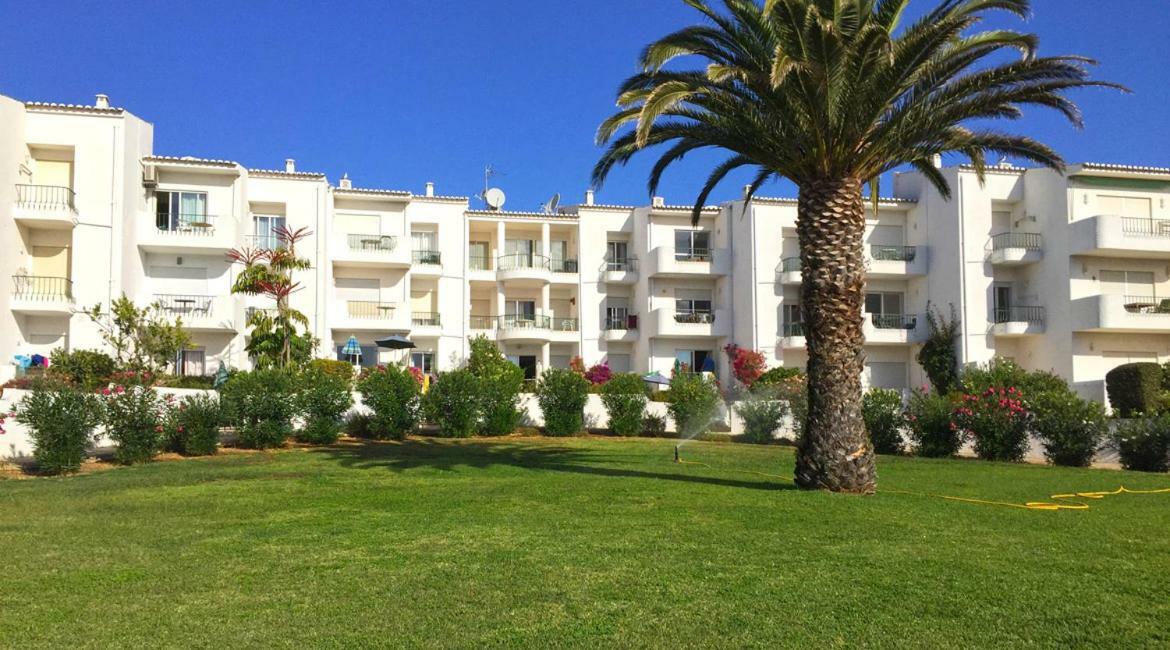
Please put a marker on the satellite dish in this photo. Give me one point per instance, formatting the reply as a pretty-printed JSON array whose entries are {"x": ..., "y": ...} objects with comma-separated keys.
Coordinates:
[
  {"x": 551, "y": 206},
  {"x": 494, "y": 198}
]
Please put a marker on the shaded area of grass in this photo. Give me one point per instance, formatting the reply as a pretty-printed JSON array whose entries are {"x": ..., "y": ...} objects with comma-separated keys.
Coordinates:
[{"x": 573, "y": 542}]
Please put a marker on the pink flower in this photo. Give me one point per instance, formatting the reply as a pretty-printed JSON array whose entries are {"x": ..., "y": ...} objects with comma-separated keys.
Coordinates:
[
  {"x": 105, "y": 391},
  {"x": 180, "y": 428},
  {"x": 158, "y": 429},
  {"x": 119, "y": 389}
]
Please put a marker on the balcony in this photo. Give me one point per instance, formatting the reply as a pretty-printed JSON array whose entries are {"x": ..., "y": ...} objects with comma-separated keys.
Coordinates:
[
  {"x": 481, "y": 323},
  {"x": 1015, "y": 248},
  {"x": 1121, "y": 314},
  {"x": 1017, "y": 321},
  {"x": 563, "y": 271},
  {"x": 788, "y": 271},
  {"x": 668, "y": 262},
  {"x": 537, "y": 328},
  {"x": 426, "y": 263},
  {"x": 620, "y": 328},
  {"x": 792, "y": 335},
  {"x": 421, "y": 321},
  {"x": 199, "y": 233},
  {"x": 620, "y": 271},
  {"x": 893, "y": 329},
  {"x": 1115, "y": 236},
  {"x": 198, "y": 313},
  {"x": 363, "y": 250},
  {"x": 372, "y": 316},
  {"x": 524, "y": 269},
  {"x": 665, "y": 322},
  {"x": 45, "y": 206},
  {"x": 41, "y": 295},
  {"x": 893, "y": 262}
]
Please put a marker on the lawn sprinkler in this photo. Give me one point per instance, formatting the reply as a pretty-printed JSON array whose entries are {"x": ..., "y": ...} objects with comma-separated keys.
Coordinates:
[{"x": 677, "y": 457}]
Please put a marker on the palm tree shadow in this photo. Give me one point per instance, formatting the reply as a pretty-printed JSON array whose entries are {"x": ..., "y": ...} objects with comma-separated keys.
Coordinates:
[{"x": 449, "y": 456}]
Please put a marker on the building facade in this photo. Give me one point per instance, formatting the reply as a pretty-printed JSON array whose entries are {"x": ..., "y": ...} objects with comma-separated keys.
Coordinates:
[{"x": 1058, "y": 272}]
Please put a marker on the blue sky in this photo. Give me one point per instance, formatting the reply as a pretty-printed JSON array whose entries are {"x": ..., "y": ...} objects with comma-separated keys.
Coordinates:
[{"x": 400, "y": 92}]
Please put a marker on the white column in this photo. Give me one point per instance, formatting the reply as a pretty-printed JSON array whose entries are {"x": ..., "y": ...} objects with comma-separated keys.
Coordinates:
[
  {"x": 544, "y": 239},
  {"x": 499, "y": 243},
  {"x": 544, "y": 356}
]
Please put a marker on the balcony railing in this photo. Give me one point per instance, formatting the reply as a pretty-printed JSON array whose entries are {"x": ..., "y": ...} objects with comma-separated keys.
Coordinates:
[
  {"x": 894, "y": 321},
  {"x": 893, "y": 253},
  {"x": 197, "y": 225},
  {"x": 1140, "y": 227},
  {"x": 424, "y": 319},
  {"x": 790, "y": 265},
  {"x": 426, "y": 257},
  {"x": 564, "y": 266},
  {"x": 792, "y": 329},
  {"x": 1146, "y": 305},
  {"x": 516, "y": 261},
  {"x": 478, "y": 322},
  {"x": 525, "y": 321},
  {"x": 1018, "y": 315},
  {"x": 184, "y": 304},
  {"x": 371, "y": 243},
  {"x": 695, "y": 317},
  {"x": 41, "y": 287},
  {"x": 692, "y": 254},
  {"x": 479, "y": 262},
  {"x": 1031, "y": 241},
  {"x": 44, "y": 197},
  {"x": 620, "y": 322},
  {"x": 621, "y": 266},
  {"x": 369, "y": 309}
]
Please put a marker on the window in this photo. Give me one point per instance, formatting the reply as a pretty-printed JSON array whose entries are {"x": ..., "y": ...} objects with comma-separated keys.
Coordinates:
[
  {"x": 617, "y": 314},
  {"x": 1133, "y": 284},
  {"x": 527, "y": 363},
  {"x": 520, "y": 312},
  {"x": 180, "y": 210},
  {"x": 692, "y": 245},
  {"x": 884, "y": 304},
  {"x": 424, "y": 361},
  {"x": 477, "y": 256},
  {"x": 618, "y": 362},
  {"x": 793, "y": 324},
  {"x": 692, "y": 306},
  {"x": 888, "y": 374},
  {"x": 617, "y": 255},
  {"x": 518, "y": 254},
  {"x": 267, "y": 228},
  {"x": 695, "y": 360},
  {"x": 1125, "y": 206},
  {"x": 559, "y": 361},
  {"x": 426, "y": 247},
  {"x": 191, "y": 363}
]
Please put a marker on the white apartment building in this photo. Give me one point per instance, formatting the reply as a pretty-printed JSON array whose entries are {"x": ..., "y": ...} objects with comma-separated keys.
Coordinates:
[{"x": 1064, "y": 273}]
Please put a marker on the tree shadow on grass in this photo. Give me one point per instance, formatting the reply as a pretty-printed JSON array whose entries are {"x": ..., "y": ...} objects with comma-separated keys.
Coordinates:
[{"x": 449, "y": 456}]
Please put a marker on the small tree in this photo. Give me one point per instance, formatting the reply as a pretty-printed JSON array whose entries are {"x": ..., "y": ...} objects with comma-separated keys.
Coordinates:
[
  {"x": 562, "y": 395},
  {"x": 694, "y": 403},
  {"x": 392, "y": 392},
  {"x": 142, "y": 338},
  {"x": 747, "y": 365},
  {"x": 937, "y": 356},
  {"x": 453, "y": 403},
  {"x": 500, "y": 383},
  {"x": 763, "y": 412},
  {"x": 275, "y": 340},
  {"x": 261, "y": 405},
  {"x": 625, "y": 396},
  {"x": 323, "y": 397}
]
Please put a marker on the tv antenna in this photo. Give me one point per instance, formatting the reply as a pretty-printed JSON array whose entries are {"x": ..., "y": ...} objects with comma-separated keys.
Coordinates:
[
  {"x": 488, "y": 173},
  {"x": 551, "y": 206}
]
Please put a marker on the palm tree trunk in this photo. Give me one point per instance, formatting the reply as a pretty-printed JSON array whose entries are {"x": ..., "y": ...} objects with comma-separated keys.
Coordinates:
[{"x": 835, "y": 452}]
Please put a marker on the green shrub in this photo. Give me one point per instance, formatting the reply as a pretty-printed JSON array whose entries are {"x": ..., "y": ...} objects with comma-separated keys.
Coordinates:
[
  {"x": 777, "y": 375},
  {"x": 358, "y": 425},
  {"x": 882, "y": 410},
  {"x": 134, "y": 419},
  {"x": 1134, "y": 388},
  {"x": 500, "y": 385},
  {"x": 60, "y": 423},
  {"x": 392, "y": 393},
  {"x": 262, "y": 407},
  {"x": 763, "y": 412},
  {"x": 996, "y": 420},
  {"x": 1143, "y": 444},
  {"x": 323, "y": 396},
  {"x": 1071, "y": 429},
  {"x": 562, "y": 395},
  {"x": 453, "y": 403},
  {"x": 654, "y": 426},
  {"x": 1001, "y": 372},
  {"x": 86, "y": 369},
  {"x": 928, "y": 418},
  {"x": 624, "y": 397},
  {"x": 336, "y": 367},
  {"x": 694, "y": 403},
  {"x": 937, "y": 355},
  {"x": 193, "y": 426},
  {"x": 188, "y": 381}
]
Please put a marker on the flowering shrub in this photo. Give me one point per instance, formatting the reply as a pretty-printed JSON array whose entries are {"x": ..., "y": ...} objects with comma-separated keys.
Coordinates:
[
  {"x": 577, "y": 365},
  {"x": 562, "y": 395},
  {"x": 694, "y": 402},
  {"x": 192, "y": 427},
  {"x": 1143, "y": 444},
  {"x": 323, "y": 397},
  {"x": 133, "y": 378},
  {"x": 61, "y": 423},
  {"x": 392, "y": 392},
  {"x": 500, "y": 383},
  {"x": 599, "y": 373},
  {"x": 85, "y": 369},
  {"x": 928, "y": 418},
  {"x": 793, "y": 391},
  {"x": 996, "y": 420},
  {"x": 1070, "y": 428},
  {"x": 624, "y": 397},
  {"x": 747, "y": 365},
  {"x": 260, "y": 404},
  {"x": 882, "y": 410},
  {"x": 134, "y": 419},
  {"x": 452, "y": 403}
]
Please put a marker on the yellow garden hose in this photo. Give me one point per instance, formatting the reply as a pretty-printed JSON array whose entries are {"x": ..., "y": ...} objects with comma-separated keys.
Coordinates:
[{"x": 1050, "y": 505}]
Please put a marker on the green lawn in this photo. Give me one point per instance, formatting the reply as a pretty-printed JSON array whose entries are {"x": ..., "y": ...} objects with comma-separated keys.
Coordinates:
[{"x": 573, "y": 542}]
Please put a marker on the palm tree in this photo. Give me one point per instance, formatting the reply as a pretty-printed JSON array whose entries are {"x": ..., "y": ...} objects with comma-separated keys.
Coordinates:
[{"x": 830, "y": 94}]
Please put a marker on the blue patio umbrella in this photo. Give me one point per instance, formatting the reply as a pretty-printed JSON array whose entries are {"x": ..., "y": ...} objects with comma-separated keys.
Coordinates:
[
  {"x": 655, "y": 378},
  {"x": 352, "y": 349}
]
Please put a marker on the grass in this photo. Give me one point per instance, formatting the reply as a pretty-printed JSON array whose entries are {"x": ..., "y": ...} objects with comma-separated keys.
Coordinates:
[{"x": 573, "y": 542}]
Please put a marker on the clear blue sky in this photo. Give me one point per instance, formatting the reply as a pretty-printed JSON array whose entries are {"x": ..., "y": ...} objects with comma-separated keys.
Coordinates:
[{"x": 404, "y": 91}]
